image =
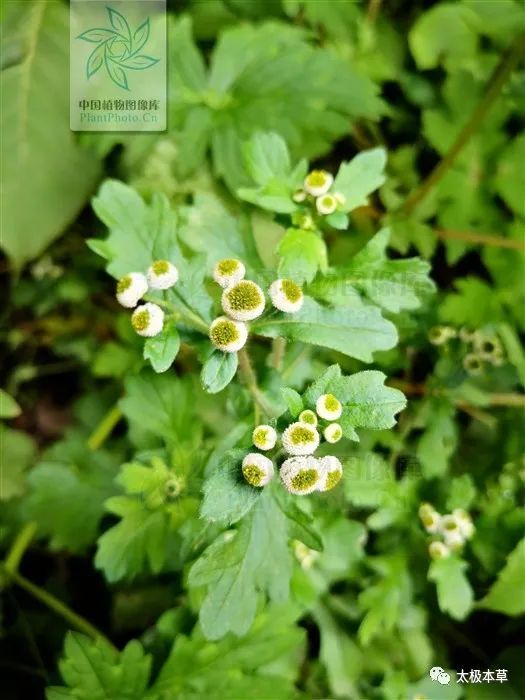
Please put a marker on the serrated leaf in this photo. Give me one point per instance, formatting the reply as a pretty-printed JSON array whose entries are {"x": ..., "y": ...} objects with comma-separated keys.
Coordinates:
[
  {"x": 454, "y": 592},
  {"x": 93, "y": 670},
  {"x": 301, "y": 254},
  {"x": 357, "y": 332},
  {"x": 361, "y": 176},
  {"x": 507, "y": 595},
  {"x": 218, "y": 371},
  {"x": 162, "y": 349},
  {"x": 35, "y": 130},
  {"x": 438, "y": 441},
  {"x": 238, "y": 565},
  {"x": 320, "y": 385},
  {"x": 227, "y": 496}
]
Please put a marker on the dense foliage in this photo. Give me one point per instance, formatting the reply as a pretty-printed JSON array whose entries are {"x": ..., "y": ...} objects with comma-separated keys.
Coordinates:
[{"x": 319, "y": 495}]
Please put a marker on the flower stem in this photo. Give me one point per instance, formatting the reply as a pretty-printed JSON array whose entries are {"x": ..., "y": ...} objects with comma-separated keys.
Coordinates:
[
  {"x": 19, "y": 546},
  {"x": 56, "y": 605},
  {"x": 511, "y": 400},
  {"x": 248, "y": 377},
  {"x": 503, "y": 70},
  {"x": 278, "y": 350},
  {"x": 104, "y": 428},
  {"x": 480, "y": 238}
]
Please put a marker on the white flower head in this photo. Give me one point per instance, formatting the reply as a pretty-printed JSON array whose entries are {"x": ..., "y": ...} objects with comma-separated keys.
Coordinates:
[
  {"x": 243, "y": 301},
  {"x": 308, "y": 416},
  {"x": 464, "y": 521},
  {"x": 299, "y": 196},
  {"x": 264, "y": 437},
  {"x": 331, "y": 473},
  {"x": 318, "y": 182},
  {"x": 301, "y": 475},
  {"x": 487, "y": 346},
  {"x": 438, "y": 550},
  {"x": 328, "y": 407},
  {"x": 131, "y": 288},
  {"x": 257, "y": 469},
  {"x": 333, "y": 432},
  {"x": 473, "y": 364},
  {"x": 148, "y": 320},
  {"x": 326, "y": 204},
  {"x": 228, "y": 335},
  {"x": 162, "y": 274},
  {"x": 439, "y": 335},
  {"x": 466, "y": 335},
  {"x": 431, "y": 520},
  {"x": 451, "y": 532},
  {"x": 228, "y": 271},
  {"x": 300, "y": 439},
  {"x": 286, "y": 296}
]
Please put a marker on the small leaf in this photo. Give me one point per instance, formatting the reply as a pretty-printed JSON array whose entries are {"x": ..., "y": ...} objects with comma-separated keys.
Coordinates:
[
  {"x": 218, "y": 371},
  {"x": 141, "y": 35},
  {"x": 360, "y": 177},
  {"x": 507, "y": 595},
  {"x": 302, "y": 253},
  {"x": 293, "y": 401},
  {"x": 138, "y": 62},
  {"x": 8, "y": 406},
  {"x": 454, "y": 592},
  {"x": 162, "y": 350},
  {"x": 227, "y": 496},
  {"x": 96, "y": 36},
  {"x": 116, "y": 73},
  {"x": 119, "y": 22}
]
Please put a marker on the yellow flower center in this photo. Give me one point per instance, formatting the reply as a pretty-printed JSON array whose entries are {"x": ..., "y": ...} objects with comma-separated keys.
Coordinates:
[
  {"x": 244, "y": 296},
  {"x": 160, "y": 267},
  {"x": 260, "y": 436},
  {"x": 304, "y": 479},
  {"x": 331, "y": 403},
  {"x": 333, "y": 479},
  {"x": 291, "y": 290},
  {"x": 228, "y": 266},
  {"x": 224, "y": 333},
  {"x": 317, "y": 178},
  {"x": 123, "y": 284},
  {"x": 253, "y": 474},
  {"x": 301, "y": 435},
  {"x": 140, "y": 320}
]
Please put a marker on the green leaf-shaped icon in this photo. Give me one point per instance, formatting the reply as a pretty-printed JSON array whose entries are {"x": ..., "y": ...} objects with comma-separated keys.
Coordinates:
[
  {"x": 95, "y": 60},
  {"x": 138, "y": 62},
  {"x": 95, "y": 36}
]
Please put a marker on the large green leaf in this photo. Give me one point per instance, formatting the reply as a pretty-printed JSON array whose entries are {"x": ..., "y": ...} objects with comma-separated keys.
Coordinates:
[
  {"x": 357, "y": 332},
  {"x": 45, "y": 176},
  {"x": 454, "y": 592},
  {"x": 507, "y": 595},
  {"x": 358, "y": 178}
]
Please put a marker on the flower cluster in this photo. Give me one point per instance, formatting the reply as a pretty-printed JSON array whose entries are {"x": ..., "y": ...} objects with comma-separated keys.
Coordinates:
[
  {"x": 301, "y": 472},
  {"x": 147, "y": 319},
  {"x": 452, "y": 529},
  {"x": 243, "y": 300},
  {"x": 317, "y": 185},
  {"x": 483, "y": 346}
]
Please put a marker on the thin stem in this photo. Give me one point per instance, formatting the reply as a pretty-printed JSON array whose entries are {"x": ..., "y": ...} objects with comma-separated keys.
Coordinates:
[
  {"x": 56, "y": 605},
  {"x": 498, "y": 399},
  {"x": 278, "y": 350},
  {"x": 104, "y": 428},
  {"x": 481, "y": 238},
  {"x": 494, "y": 86},
  {"x": 374, "y": 7},
  {"x": 248, "y": 377},
  {"x": 19, "y": 546}
]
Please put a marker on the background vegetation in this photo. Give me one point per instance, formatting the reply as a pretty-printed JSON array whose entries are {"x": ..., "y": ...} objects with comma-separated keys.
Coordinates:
[{"x": 333, "y": 596}]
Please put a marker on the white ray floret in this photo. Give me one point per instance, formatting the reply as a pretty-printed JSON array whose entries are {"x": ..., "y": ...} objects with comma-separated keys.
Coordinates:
[
  {"x": 243, "y": 301},
  {"x": 131, "y": 288},
  {"x": 328, "y": 407},
  {"x": 228, "y": 335},
  {"x": 148, "y": 320},
  {"x": 228, "y": 271},
  {"x": 326, "y": 204},
  {"x": 264, "y": 437},
  {"x": 162, "y": 274},
  {"x": 318, "y": 182},
  {"x": 300, "y": 439},
  {"x": 331, "y": 473},
  {"x": 333, "y": 433},
  {"x": 286, "y": 295},
  {"x": 257, "y": 469},
  {"x": 308, "y": 416},
  {"x": 301, "y": 475}
]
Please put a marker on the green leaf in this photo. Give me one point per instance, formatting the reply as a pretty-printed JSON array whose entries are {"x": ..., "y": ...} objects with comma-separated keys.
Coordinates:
[
  {"x": 227, "y": 496},
  {"x": 218, "y": 371},
  {"x": 162, "y": 350},
  {"x": 8, "y": 406},
  {"x": 238, "y": 565},
  {"x": 443, "y": 34},
  {"x": 475, "y": 304},
  {"x": 367, "y": 402},
  {"x": 137, "y": 543},
  {"x": 394, "y": 285},
  {"x": 320, "y": 386},
  {"x": 293, "y": 401},
  {"x": 37, "y": 201},
  {"x": 67, "y": 493},
  {"x": 438, "y": 442},
  {"x": 234, "y": 667},
  {"x": 17, "y": 452},
  {"x": 357, "y": 332},
  {"x": 93, "y": 670},
  {"x": 295, "y": 85},
  {"x": 301, "y": 253},
  {"x": 361, "y": 176},
  {"x": 506, "y": 594},
  {"x": 510, "y": 175},
  {"x": 454, "y": 592}
]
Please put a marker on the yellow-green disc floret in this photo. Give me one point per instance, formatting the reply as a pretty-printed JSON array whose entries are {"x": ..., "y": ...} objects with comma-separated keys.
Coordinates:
[
  {"x": 148, "y": 320},
  {"x": 228, "y": 271},
  {"x": 328, "y": 407},
  {"x": 308, "y": 416},
  {"x": 300, "y": 439},
  {"x": 243, "y": 301},
  {"x": 264, "y": 437},
  {"x": 304, "y": 479},
  {"x": 123, "y": 284},
  {"x": 331, "y": 472},
  {"x": 300, "y": 475},
  {"x": 318, "y": 182},
  {"x": 257, "y": 469},
  {"x": 131, "y": 288},
  {"x": 162, "y": 274},
  {"x": 160, "y": 267},
  {"x": 286, "y": 295}
]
